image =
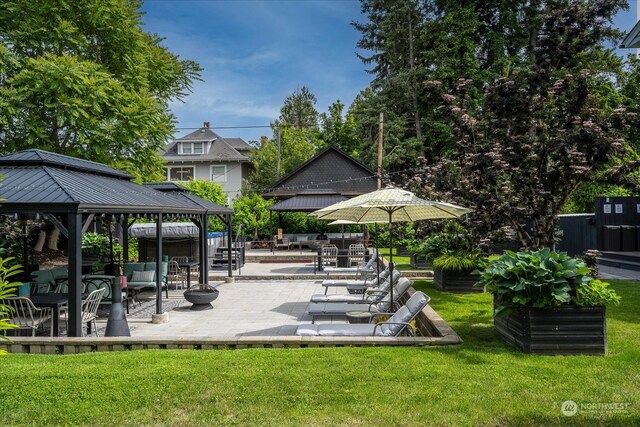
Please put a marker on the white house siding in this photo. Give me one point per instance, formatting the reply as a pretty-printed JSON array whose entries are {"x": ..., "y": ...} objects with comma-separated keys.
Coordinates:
[{"x": 233, "y": 184}]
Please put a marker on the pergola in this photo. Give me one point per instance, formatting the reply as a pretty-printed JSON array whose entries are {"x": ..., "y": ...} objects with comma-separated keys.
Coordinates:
[{"x": 70, "y": 192}]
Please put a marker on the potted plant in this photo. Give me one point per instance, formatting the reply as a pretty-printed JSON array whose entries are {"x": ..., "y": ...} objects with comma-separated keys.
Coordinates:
[
  {"x": 454, "y": 258},
  {"x": 546, "y": 302}
]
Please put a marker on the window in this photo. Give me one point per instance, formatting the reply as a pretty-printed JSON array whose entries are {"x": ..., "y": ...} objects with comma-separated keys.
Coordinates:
[
  {"x": 219, "y": 173},
  {"x": 182, "y": 173},
  {"x": 192, "y": 148}
]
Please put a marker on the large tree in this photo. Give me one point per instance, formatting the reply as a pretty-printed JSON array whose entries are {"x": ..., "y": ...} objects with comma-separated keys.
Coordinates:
[
  {"x": 295, "y": 139},
  {"x": 541, "y": 130},
  {"x": 82, "y": 78}
]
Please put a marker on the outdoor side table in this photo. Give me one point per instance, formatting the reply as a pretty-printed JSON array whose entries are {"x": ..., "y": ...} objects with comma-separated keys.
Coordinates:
[{"x": 358, "y": 316}]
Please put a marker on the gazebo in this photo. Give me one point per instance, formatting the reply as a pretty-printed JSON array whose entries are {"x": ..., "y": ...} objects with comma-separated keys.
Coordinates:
[{"x": 71, "y": 192}]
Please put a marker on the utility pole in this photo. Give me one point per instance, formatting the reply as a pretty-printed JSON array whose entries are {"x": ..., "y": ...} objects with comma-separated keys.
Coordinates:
[
  {"x": 380, "y": 133},
  {"x": 278, "y": 160}
]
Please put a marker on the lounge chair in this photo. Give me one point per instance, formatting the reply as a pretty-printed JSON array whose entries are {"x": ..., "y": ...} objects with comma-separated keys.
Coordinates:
[
  {"x": 361, "y": 285},
  {"x": 341, "y": 308},
  {"x": 374, "y": 296},
  {"x": 393, "y": 327},
  {"x": 360, "y": 270}
]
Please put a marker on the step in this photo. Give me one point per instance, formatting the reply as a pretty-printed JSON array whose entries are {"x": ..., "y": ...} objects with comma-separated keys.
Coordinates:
[
  {"x": 619, "y": 263},
  {"x": 621, "y": 256}
]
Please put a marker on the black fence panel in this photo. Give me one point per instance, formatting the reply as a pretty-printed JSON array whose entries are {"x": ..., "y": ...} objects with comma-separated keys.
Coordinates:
[{"x": 577, "y": 233}]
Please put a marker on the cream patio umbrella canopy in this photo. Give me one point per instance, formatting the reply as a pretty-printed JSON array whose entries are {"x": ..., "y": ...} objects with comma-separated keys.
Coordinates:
[{"x": 390, "y": 205}]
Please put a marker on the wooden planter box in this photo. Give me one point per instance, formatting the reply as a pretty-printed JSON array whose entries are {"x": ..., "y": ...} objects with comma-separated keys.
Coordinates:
[
  {"x": 561, "y": 330},
  {"x": 456, "y": 281},
  {"x": 419, "y": 261}
]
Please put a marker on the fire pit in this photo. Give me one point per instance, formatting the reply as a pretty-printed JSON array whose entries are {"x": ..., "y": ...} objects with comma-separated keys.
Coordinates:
[{"x": 201, "y": 297}]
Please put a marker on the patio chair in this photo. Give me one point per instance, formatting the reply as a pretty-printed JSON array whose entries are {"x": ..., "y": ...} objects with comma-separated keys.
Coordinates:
[
  {"x": 92, "y": 282},
  {"x": 27, "y": 316},
  {"x": 175, "y": 275},
  {"x": 281, "y": 243},
  {"x": 373, "y": 296},
  {"x": 399, "y": 322},
  {"x": 329, "y": 255},
  {"x": 356, "y": 254},
  {"x": 89, "y": 311},
  {"x": 341, "y": 309}
]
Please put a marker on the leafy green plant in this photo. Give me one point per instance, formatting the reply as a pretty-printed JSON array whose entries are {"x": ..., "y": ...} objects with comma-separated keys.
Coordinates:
[
  {"x": 595, "y": 292},
  {"x": 95, "y": 244},
  {"x": 542, "y": 278},
  {"x": 7, "y": 290},
  {"x": 458, "y": 261}
]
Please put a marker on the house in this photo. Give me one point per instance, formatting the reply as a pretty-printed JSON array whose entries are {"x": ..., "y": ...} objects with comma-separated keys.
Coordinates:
[{"x": 205, "y": 155}]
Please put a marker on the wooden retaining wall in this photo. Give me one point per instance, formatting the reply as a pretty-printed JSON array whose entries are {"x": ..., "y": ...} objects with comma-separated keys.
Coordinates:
[{"x": 433, "y": 329}]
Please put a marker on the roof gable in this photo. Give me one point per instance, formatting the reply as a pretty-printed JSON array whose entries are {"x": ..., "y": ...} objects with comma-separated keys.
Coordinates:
[
  {"x": 331, "y": 169},
  {"x": 220, "y": 149},
  {"x": 35, "y": 157}
]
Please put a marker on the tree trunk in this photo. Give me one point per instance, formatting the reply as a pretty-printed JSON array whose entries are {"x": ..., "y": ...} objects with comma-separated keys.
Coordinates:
[
  {"x": 52, "y": 241},
  {"x": 414, "y": 94},
  {"x": 40, "y": 243}
]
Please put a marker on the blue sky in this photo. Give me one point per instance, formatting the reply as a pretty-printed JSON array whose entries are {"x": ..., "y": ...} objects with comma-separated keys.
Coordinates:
[{"x": 256, "y": 52}]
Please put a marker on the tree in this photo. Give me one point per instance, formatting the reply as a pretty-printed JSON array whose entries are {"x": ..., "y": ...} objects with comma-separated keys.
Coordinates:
[
  {"x": 297, "y": 130},
  {"x": 251, "y": 210},
  {"x": 339, "y": 131},
  {"x": 541, "y": 130},
  {"x": 212, "y": 192},
  {"x": 83, "y": 79},
  {"x": 299, "y": 109}
]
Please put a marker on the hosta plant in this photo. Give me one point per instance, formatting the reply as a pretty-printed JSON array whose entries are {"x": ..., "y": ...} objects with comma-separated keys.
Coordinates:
[{"x": 543, "y": 279}]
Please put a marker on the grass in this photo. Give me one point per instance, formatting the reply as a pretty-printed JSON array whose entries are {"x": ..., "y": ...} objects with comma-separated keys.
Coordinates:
[{"x": 481, "y": 382}]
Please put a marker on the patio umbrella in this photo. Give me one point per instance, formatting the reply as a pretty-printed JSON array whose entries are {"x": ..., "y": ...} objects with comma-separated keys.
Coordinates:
[{"x": 390, "y": 205}]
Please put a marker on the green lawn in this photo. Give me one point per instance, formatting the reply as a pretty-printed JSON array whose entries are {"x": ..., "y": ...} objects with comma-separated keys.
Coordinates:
[{"x": 482, "y": 382}]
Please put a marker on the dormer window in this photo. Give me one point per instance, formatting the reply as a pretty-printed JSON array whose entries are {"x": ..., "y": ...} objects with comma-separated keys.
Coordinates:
[{"x": 191, "y": 148}]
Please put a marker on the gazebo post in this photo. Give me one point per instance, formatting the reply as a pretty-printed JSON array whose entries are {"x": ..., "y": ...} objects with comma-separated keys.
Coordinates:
[
  {"x": 204, "y": 249},
  {"x": 229, "y": 243},
  {"x": 271, "y": 230},
  {"x": 75, "y": 274},
  {"x": 125, "y": 238},
  {"x": 159, "y": 264}
]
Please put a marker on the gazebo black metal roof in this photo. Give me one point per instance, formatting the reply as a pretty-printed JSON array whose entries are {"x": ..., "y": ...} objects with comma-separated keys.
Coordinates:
[
  {"x": 36, "y": 180},
  {"x": 181, "y": 193}
]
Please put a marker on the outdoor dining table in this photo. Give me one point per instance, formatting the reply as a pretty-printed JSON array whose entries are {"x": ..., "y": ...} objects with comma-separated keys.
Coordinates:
[
  {"x": 53, "y": 301},
  {"x": 187, "y": 265}
]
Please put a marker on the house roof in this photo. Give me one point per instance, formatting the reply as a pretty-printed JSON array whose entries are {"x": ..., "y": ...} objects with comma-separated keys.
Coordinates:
[
  {"x": 40, "y": 181},
  {"x": 307, "y": 202},
  {"x": 632, "y": 40},
  {"x": 331, "y": 168},
  {"x": 221, "y": 149}
]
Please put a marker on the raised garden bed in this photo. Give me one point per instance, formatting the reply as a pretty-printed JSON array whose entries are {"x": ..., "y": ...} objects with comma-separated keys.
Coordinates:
[
  {"x": 456, "y": 281},
  {"x": 560, "y": 330}
]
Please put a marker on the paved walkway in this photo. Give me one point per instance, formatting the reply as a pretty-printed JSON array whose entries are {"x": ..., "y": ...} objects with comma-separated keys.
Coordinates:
[{"x": 244, "y": 308}]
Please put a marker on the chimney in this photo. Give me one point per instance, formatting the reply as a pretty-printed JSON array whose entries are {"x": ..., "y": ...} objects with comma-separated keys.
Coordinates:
[
  {"x": 264, "y": 140},
  {"x": 207, "y": 124}
]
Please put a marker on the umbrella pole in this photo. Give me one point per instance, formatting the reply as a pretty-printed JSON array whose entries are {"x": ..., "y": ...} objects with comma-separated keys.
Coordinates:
[{"x": 391, "y": 260}]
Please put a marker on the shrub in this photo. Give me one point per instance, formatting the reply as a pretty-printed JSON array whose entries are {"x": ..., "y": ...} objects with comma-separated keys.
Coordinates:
[
  {"x": 7, "y": 290},
  {"x": 542, "y": 278}
]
